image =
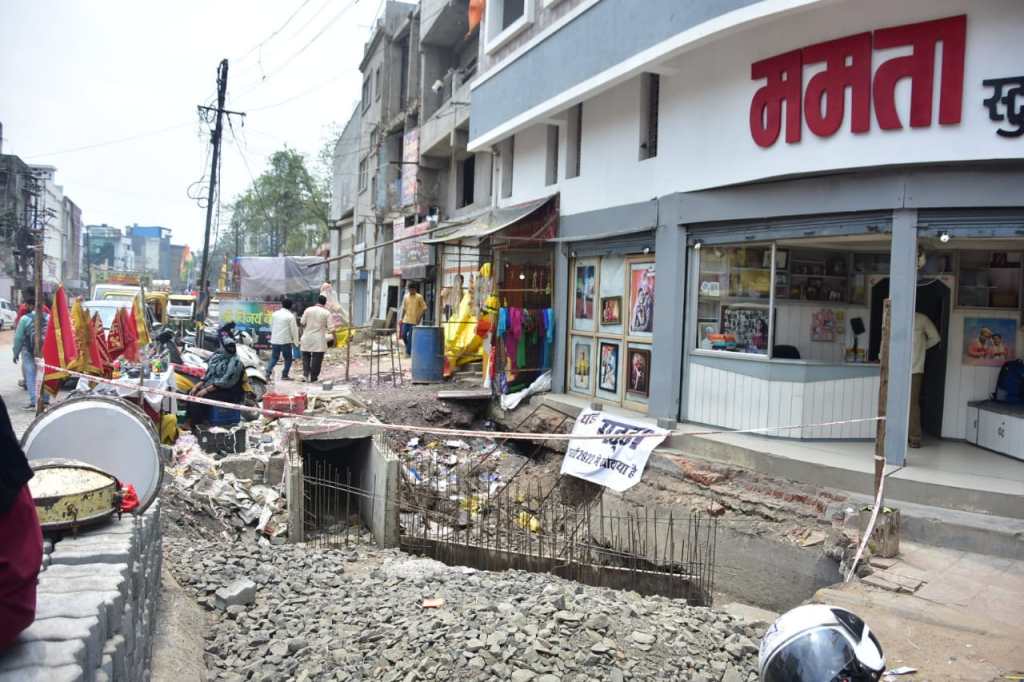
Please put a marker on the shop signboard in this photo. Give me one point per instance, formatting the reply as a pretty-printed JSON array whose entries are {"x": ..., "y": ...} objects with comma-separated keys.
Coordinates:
[
  {"x": 616, "y": 462},
  {"x": 410, "y": 251},
  {"x": 250, "y": 316}
]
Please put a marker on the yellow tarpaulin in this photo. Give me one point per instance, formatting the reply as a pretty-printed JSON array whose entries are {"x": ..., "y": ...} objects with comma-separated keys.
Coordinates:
[{"x": 461, "y": 341}]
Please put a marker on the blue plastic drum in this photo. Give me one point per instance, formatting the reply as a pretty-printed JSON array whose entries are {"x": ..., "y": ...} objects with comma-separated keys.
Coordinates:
[{"x": 427, "y": 355}]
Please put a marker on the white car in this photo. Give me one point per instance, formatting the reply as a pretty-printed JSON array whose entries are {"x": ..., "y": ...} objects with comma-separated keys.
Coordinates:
[
  {"x": 8, "y": 313},
  {"x": 107, "y": 308}
]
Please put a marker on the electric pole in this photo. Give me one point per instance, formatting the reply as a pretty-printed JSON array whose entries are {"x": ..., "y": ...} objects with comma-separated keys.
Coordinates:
[{"x": 218, "y": 129}]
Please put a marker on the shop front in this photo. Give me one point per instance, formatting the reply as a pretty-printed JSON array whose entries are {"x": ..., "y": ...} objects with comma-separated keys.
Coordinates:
[{"x": 785, "y": 331}]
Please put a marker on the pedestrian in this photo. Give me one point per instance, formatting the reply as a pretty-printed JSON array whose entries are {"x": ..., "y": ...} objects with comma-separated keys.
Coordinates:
[
  {"x": 413, "y": 307},
  {"x": 316, "y": 320},
  {"x": 21, "y": 539},
  {"x": 25, "y": 348},
  {"x": 284, "y": 334},
  {"x": 223, "y": 381}
]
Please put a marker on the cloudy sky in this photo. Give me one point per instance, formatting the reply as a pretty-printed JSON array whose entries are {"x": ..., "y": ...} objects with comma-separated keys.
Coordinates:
[{"x": 106, "y": 91}]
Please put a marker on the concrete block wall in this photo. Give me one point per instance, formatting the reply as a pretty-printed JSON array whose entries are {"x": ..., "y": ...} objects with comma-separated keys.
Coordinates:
[{"x": 95, "y": 607}]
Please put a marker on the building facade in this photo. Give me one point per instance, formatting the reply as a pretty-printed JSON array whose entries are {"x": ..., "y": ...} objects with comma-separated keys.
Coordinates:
[{"x": 742, "y": 184}]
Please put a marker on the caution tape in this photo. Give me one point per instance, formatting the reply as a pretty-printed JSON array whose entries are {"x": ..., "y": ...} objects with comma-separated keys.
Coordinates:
[{"x": 437, "y": 430}]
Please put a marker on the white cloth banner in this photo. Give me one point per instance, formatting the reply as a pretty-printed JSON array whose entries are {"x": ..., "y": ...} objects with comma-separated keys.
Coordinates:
[{"x": 616, "y": 462}]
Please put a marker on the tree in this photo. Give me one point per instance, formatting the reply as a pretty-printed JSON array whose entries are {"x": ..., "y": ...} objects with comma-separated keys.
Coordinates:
[{"x": 284, "y": 212}]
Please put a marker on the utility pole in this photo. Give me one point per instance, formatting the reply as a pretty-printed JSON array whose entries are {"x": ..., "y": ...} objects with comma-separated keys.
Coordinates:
[{"x": 215, "y": 138}]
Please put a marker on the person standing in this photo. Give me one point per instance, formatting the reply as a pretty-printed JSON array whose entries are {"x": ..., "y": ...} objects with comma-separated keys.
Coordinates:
[
  {"x": 284, "y": 333},
  {"x": 21, "y": 539},
  {"x": 413, "y": 307},
  {"x": 925, "y": 336},
  {"x": 24, "y": 350},
  {"x": 316, "y": 321}
]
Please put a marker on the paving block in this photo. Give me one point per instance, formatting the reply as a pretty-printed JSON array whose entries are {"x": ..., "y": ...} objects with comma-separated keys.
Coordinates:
[
  {"x": 108, "y": 605},
  {"x": 92, "y": 631},
  {"x": 43, "y": 673},
  {"x": 100, "y": 554},
  {"x": 115, "y": 648},
  {"x": 83, "y": 584},
  {"x": 43, "y": 654}
]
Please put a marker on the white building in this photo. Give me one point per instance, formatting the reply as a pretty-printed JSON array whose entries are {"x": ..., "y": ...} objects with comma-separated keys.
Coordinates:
[
  {"x": 816, "y": 147},
  {"x": 50, "y": 206}
]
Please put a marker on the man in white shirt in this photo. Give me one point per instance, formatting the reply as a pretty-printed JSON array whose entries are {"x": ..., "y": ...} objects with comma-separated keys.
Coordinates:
[
  {"x": 315, "y": 326},
  {"x": 284, "y": 334},
  {"x": 925, "y": 336}
]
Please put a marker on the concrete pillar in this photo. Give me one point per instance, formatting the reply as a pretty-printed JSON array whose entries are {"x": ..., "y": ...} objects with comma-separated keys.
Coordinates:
[
  {"x": 667, "y": 350},
  {"x": 296, "y": 501},
  {"x": 561, "y": 284},
  {"x": 903, "y": 292}
]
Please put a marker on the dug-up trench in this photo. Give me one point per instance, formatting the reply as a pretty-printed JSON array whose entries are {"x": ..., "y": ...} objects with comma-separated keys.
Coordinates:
[{"x": 775, "y": 544}]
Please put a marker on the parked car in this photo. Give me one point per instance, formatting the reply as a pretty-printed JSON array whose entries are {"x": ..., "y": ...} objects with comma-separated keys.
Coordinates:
[{"x": 8, "y": 313}]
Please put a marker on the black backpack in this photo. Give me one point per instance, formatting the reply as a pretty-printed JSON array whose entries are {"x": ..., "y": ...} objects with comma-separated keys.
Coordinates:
[{"x": 1010, "y": 385}]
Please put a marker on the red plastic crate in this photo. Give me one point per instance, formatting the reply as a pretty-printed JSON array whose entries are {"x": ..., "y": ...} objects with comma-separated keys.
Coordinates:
[{"x": 293, "y": 404}]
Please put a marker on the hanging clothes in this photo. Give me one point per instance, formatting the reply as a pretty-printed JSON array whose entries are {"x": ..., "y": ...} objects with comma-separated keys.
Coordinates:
[
  {"x": 512, "y": 336},
  {"x": 549, "y": 337}
]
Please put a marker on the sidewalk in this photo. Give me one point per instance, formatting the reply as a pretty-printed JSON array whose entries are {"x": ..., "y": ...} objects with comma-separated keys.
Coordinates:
[{"x": 962, "y": 622}]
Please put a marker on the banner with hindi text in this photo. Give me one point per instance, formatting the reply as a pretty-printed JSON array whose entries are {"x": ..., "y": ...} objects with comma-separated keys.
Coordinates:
[{"x": 616, "y": 462}]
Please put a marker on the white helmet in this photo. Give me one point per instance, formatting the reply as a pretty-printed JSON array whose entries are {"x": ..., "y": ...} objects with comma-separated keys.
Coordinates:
[{"x": 819, "y": 643}]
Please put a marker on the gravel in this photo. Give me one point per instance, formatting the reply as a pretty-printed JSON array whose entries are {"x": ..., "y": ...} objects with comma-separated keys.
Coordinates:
[{"x": 358, "y": 614}]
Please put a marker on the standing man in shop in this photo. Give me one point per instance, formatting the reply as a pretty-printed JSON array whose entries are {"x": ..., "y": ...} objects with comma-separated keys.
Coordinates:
[
  {"x": 925, "y": 336},
  {"x": 413, "y": 307},
  {"x": 315, "y": 323},
  {"x": 284, "y": 333}
]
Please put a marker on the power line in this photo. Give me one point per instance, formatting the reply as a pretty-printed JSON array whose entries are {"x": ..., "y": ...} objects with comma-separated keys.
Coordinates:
[
  {"x": 275, "y": 32},
  {"x": 121, "y": 140},
  {"x": 299, "y": 95}
]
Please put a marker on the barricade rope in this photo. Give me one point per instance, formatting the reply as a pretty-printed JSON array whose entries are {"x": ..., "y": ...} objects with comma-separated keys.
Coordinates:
[{"x": 435, "y": 430}]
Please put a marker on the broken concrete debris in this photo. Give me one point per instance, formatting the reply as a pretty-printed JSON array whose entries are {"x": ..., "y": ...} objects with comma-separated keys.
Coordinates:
[{"x": 367, "y": 613}]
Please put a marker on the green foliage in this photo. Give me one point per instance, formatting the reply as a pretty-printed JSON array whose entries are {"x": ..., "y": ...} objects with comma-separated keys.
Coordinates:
[{"x": 285, "y": 212}]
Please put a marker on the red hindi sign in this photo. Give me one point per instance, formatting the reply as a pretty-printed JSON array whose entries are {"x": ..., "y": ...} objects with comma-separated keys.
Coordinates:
[{"x": 848, "y": 65}]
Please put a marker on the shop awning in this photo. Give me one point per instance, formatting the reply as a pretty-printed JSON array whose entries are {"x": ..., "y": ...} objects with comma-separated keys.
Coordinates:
[{"x": 489, "y": 222}]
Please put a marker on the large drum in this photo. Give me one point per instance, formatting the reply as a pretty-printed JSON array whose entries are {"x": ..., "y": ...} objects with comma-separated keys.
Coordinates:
[
  {"x": 110, "y": 434},
  {"x": 70, "y": 494}
]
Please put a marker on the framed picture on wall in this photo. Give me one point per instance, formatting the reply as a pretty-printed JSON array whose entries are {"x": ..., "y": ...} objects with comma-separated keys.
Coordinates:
[
  {"x": 611, "y": 310},
  {"x": 585, "y": 282},
  {"x": 638, "y": 372},
  {"x": 582, "y": 357},
  {"x": 608, "y": 367},
  {"x": 989, "y": 341},
  {"x": 641, "y": 298}
]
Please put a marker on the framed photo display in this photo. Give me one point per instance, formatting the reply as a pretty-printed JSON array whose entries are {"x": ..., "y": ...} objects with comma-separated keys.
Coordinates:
[
  {"x": 611, "y": 310},
  {"x": 641, "y": 299},
  {"x": 582, "y": 363},
  {"x": 608, "y": 367},
  {"x": 638, "y": 372}
]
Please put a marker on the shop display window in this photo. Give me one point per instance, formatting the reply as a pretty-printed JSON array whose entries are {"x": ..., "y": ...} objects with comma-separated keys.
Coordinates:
[
  {"x": 610, "y": 352},
  {"x": 989, "y": 279},
  {"x": 734, "y": 291}
]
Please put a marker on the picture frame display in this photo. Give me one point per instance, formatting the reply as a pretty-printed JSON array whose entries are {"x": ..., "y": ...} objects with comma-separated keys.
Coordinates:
[
  {"x": 608, "y": 367},
  {"x": 582, "y": 362},
  {"x": 638, "y": 372},
  {"x": 611, "y": 310},
  {"x": 641, "y": 298}
]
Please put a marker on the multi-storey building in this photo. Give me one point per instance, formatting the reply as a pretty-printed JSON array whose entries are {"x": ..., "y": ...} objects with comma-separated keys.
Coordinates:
[{"x": 778, "y": 169}]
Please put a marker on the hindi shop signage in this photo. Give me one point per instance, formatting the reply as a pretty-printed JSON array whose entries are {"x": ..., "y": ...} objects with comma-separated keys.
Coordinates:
[
  {"x": 1006, "y": 104},
  {"x": 848, "y": 64},
  {"x": 616, "y": 462},
  {"x": 250, "y": 316},
  {"x": 410, "y": 251}
]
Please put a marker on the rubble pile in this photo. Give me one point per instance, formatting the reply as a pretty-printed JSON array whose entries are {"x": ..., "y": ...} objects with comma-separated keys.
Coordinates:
[{"x": 365, "y": 613}]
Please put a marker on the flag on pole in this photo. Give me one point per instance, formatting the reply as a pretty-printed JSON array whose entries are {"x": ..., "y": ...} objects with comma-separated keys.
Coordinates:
[
  {"x": 59, "y": 349},
  {"x": 141, "y": 326},
  {"x": 101, "y": 343},
  {"x": 115, "y": 337},
  {"x": 88, "y": 359},
  {"x": 130, "y": 334}
]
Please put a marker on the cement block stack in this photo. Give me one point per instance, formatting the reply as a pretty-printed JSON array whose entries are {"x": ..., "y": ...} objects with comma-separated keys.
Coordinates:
[{"x": 96, "y": 606}]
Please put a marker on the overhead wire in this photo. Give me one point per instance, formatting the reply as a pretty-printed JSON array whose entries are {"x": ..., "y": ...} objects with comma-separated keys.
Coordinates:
[
  {"x": 275, "y": 32},
  {"x": 130, "y": 138}
]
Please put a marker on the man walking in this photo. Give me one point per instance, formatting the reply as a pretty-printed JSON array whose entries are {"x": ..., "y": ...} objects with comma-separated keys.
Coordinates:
[
  {"x": 315, "y": 323},
  {"x": 413, "y": 307},
  {"x": 24, "y": 350},
  {"x": 284, "y": 333}
]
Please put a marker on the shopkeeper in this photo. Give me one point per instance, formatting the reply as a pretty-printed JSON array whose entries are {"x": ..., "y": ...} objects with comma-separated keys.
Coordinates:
[
  {"x": 223, "y": 381},
  {"x": 925, "y": 336}
]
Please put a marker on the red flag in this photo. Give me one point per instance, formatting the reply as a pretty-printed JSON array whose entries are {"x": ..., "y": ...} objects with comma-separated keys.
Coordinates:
[
  {"x": 115, "y": 337},
  {"x": 101, "y": 343},
  {"x": 476, "y": 12},
  {"x": 130, "y": 334},
  {"x": 59, "y": 349}
]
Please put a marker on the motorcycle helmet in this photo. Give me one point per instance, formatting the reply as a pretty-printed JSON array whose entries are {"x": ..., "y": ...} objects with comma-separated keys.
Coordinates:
[{"x": 819, "y": 643}]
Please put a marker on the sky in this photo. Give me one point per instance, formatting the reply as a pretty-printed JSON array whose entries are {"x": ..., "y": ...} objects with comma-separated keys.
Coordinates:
[{"x": 106, "y": 91}]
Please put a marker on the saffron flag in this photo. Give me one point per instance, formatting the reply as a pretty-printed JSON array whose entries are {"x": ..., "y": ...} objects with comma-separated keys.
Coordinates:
[
  {"x": 101, "y": 343},
  {"x": 141, "y": 326},
  {"x": 129, "y": 332},
  {"x": 88, "y": 359},
  {"x": 476, "y": 12},
  {"x": 59, "y": 349},
  {"x": 115, "y": 337}
]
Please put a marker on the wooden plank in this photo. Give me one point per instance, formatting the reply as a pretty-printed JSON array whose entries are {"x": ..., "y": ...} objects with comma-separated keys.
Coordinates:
[{"x": 465, "y": 394}]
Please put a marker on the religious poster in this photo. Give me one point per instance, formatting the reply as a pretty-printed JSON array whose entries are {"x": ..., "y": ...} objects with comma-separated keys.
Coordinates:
[
  {"x": 585, "y": 281},
  {"x": 826, "y": 326},
  {"x": 616, "y": 462},
  {"x": 611, "y": 310},
  {"x": 638, "y": 372},
  {"x": 608, "y": 370},
  {"x": 582, "y": 351},
  {"x": 641, "y": 298},
  {"x": 989, "y": 341}
]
